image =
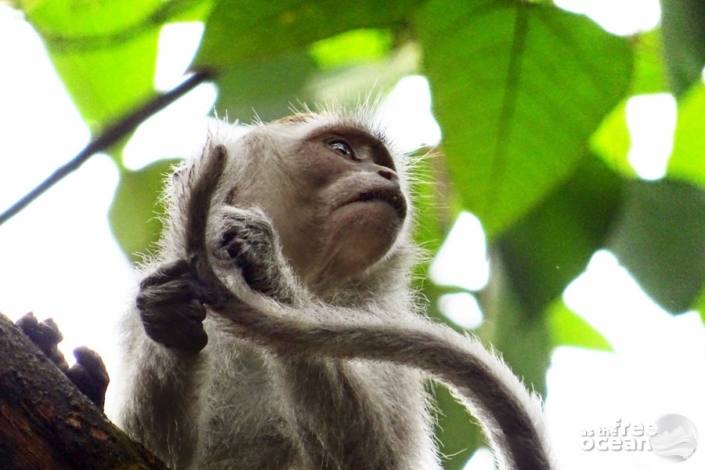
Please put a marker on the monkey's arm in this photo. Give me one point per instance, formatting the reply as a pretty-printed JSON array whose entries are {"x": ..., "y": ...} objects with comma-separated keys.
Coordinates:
[{"x": 164, "y": 336}]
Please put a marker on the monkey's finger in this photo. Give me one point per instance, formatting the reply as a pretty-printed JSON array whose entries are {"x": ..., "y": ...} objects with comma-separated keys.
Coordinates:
[
  {"x": 174, "y": 292},
  {"x": 234, "y": 248},
  {"x": 166, "y": 272},
  {"x": 187, "y": 335},
  {"x": 89, "y": 375},
  {"x": 45, "y": 333}
]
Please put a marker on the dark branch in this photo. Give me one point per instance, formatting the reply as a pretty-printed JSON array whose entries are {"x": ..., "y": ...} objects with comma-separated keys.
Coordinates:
[
  {"x": 108, "y": 137},
  {"x": 45, "y": 422}
]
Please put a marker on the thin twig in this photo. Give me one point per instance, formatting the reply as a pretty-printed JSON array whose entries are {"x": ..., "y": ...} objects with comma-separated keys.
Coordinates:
[{"x": 108, "y": 137}]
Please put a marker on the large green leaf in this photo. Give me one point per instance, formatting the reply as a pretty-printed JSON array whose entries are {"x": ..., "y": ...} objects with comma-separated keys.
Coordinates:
[
  {"x": 458, "y": 435},
  {"x": 352, "y": 48},
  {"x": 660, "y": 239},
  {"x": 567, "y": 328},
  {"x": 649, "y": 67},
  {"x": 612, "y": 141},
  {"x": 688, "y": 158},
  {"x": 240, "y": 30},
  {"x": 683, "y": 29},
  {"x": 336, "y": 69},
  {"x": 700, "y": 305},
  {"x": 267, "y": 87},
  {"x": 352, "y": 84},
  {"x": 135, "y": 212},
  {"x": 552, "y": 244},
  {"x": 433, "y": 202},
  {"x": 523, "y": 339},
  {"x": 518, "y": 88},
  {"x": 105, "y": 70}
]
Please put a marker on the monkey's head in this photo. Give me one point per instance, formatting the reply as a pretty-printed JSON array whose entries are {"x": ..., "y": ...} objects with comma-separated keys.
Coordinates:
[{"x": 330, "y": 184}]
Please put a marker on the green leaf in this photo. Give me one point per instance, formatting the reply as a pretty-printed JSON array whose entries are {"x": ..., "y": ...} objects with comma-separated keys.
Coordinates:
[
  {"x": 238, "y": 31},
  {"x": 688, "y": 158},
  {"x": 569, "y": 329},
  {"x": 552, "y": 244},
  {"x": 135, "y": 212},
  {"x": 612, "y": 141},
  {"x": 352, "y": 48},
  {"x": 660, "y": 239},
  {"x": 456, "y": 432},
  {"x": 522, "y": 338},
  {"x": 189, "y": 10},
  {"x": 348, "y": 85},
  {"x": 649, "y": 66},
  {"x": 682, "y": 26},
  {"x": 267, "y": 88},
  {"x": 106, "y": 72},
  {"x": 700, "y": 305},
  {"x": 432, "y": 215},
  {"x": 518, "y": 88}
]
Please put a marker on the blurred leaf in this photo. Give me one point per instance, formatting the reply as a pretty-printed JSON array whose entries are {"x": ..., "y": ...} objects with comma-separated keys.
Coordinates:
[
  {"x": 700, "y": 305},
  {"x": 457, "y": 433},
  {"x": 354, "y": 84},
  {"x": 570, "y": 329},
  {"x": 683, "y": 30},
  {"x": 518, "y": 88},
  {"x": 239, "y": 30},
  {"x": 660, "y": 239},
  {"x": 611, "y": 141},
  {"x": 190, "y": 10},
  {"x": 135, "y": 211},
  {"x": 688, "y": 158},
  {"x": 267, "y": 88},
  {"x": 523, "y": 339},
  {"x": 71, "y": 20},
  {"x": 432, "y": 197},
  {"x": 649, "y": 67},
  {"x": 552, "y": 244},
  {"x": 352, "y": 48},
  {"x": 106, "y": 72}
]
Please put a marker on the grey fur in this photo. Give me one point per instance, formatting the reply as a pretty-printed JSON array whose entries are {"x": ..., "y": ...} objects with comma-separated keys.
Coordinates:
[{"x": 296, "y": 377}]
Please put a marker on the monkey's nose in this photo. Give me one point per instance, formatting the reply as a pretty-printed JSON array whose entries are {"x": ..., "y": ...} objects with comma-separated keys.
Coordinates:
[{"x": 387, "y": 174}]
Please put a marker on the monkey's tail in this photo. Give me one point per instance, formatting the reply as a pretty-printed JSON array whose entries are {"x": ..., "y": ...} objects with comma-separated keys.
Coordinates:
[{"x": 510, "y": 415}]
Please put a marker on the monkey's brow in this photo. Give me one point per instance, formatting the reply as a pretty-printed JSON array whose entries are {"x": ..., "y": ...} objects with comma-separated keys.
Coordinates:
[{"x": 351, "y": 130}]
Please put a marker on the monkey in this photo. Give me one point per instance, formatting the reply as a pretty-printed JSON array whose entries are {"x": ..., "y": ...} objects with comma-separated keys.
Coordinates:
[{"x": 276, "y": 328}]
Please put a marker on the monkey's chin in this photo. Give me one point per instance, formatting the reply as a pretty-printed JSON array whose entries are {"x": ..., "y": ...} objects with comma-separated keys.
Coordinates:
[{"x": 361, "y": 233}]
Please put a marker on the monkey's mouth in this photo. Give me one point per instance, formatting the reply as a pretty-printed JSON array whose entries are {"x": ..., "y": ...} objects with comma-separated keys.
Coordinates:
[{"x": 391, "y": 196}]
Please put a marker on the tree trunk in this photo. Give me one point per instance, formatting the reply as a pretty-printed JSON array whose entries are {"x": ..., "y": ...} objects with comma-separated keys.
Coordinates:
[{"x": 47, "y": 423}]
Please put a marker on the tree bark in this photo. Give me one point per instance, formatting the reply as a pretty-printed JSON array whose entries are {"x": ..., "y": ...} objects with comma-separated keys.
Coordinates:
[{"x": 47, "y": 423}]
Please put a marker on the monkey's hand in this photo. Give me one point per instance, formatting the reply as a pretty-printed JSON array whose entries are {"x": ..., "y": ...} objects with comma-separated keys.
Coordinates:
[
  {"x": 88, "y": 373},
  {"x": 171, "y": 306},
  {"x": 249, "y": 242}
]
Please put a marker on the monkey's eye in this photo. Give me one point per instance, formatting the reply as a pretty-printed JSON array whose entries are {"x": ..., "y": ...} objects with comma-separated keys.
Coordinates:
[{"x": 341, "y": 147}]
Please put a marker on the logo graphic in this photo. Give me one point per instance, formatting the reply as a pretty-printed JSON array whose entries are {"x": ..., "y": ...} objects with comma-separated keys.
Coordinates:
[
  {"x": 672, "y": 437},
  {"x": 676, "y": 438}
]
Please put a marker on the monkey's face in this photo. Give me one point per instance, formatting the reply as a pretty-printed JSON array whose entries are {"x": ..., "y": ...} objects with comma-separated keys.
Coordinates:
[{"x": 334, "y": 196}]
